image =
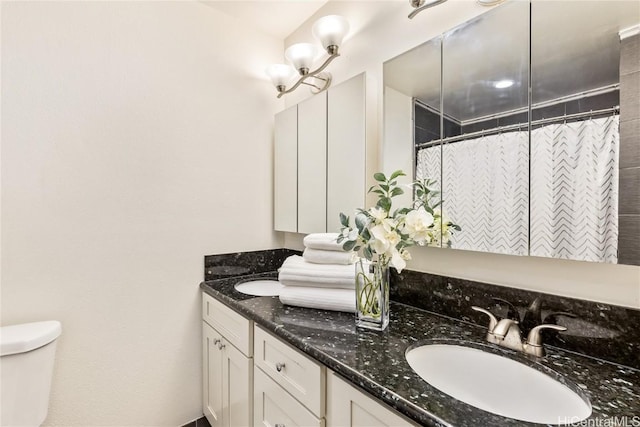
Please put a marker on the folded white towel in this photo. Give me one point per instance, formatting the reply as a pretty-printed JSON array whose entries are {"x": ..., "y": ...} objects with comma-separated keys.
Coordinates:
[
  {"x": 324, "y": 299},
  {"x": 324, "y": 241},
  {"x": 319, "y": 256},
  {"x": 316, "y": 282},
  {"x": 295, "y": 271}
]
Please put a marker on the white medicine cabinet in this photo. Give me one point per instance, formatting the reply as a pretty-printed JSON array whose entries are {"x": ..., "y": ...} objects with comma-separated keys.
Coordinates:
[{"x": 320, "y": 159}]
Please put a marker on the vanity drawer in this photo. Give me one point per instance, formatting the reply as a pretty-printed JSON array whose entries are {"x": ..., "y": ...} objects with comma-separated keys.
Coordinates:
[
  {"x": 236, "y": 329},
  {"x": 273, "y": 406},
  {"x": 299, "y": 375}
]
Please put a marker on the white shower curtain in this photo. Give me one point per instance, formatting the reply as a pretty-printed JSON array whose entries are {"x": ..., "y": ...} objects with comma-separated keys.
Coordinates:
[
  {"x": 574, "y": 190},
  {"x": 485, "y": 188}
]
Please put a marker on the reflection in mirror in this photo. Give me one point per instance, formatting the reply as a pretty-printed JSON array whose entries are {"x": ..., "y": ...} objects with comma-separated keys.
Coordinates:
[
  {"x": 411, "y": 113},
  {"x": 485, "y": 149},
  {"x": 576, "y": 146}
]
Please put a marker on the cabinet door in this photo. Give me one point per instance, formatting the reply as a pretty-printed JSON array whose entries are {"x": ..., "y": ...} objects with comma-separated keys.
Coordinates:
[
  {"x": 285, "y": 170},
  {"x": 273, "y": 406},
  {"x": 346, "y": 139},
  {"x": 347, "y": 406},
  {"x": 237, "y": 383},
  {"x": 212, "y": 402},
  {"x": 312, "y": 164}
]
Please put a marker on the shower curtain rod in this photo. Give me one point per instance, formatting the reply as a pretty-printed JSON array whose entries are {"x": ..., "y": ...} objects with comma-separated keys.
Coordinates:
[{"x": 518, "y": 126}]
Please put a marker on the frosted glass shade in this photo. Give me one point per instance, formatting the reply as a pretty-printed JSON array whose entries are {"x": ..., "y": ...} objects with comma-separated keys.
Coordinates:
[
  {"x": 301, "y": 55},
  {"x": 280, "y": 74},
  {"x": 330, "y": 30}
]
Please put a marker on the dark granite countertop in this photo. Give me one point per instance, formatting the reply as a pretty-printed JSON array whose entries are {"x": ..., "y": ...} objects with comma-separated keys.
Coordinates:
[{"x": 375, "y": 361}]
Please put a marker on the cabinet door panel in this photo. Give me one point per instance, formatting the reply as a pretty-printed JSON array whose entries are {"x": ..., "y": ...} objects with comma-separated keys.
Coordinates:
[
  {"x": 299, "y": 375},
  {"x": 285, "y": 170},
  {"x": 347, "y": 406},
  {"x": 212, "y": 392},
  {"x": 312, "y": 164},
  {"x": 346, "y": 137},
  {"x": 237, "y": 384},
  {"x": 274, "y": 406},
  {"x": 236, "y": 328}
]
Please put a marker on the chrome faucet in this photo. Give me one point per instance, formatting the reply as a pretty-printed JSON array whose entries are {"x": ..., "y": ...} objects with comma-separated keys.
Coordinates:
[{"x": 506, "y": 333}]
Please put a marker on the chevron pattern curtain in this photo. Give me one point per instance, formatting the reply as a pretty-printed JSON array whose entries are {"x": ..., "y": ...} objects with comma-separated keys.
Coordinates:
[
  {"x": 485, "y": 189},
  {"x": 574, "y": 190}
]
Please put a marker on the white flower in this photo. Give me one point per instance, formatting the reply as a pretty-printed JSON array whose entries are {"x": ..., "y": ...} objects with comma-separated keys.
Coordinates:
[
  {"x": 385, "y": 237},
  {"x": 418, "y": 225},
  {"x": 397, "y": 261},
  {"x": 378, "y": 213}
]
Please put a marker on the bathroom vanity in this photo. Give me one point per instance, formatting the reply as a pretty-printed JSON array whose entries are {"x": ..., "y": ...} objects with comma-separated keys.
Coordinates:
[{"x": 283, "y": 365}]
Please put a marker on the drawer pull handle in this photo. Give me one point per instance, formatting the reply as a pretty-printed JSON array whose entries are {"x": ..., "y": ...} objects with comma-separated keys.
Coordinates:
[
  {"x": 279, "y": 368},
  {"x": 279, "y": 425},
  {"x": 216, "y": 341},
  {"x": 221, "y": 346}
]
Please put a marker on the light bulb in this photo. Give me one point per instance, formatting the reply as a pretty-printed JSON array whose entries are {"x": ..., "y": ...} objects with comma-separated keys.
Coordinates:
[
  {"x": 301, "y": 56},
  {"x": 280, "y": 74},
  {"x": 330, "y": 30}
]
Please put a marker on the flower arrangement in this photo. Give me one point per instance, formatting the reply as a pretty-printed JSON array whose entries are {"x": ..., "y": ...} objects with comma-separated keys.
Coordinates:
[{"x": 384, "y": 234}]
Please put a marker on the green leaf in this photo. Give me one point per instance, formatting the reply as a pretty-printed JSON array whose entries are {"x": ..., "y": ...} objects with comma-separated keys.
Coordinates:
[
  {"x": 379, "y": 176},
  {"x": 396, "y": 192},
  {"x": 366, "y": 236},
  {"x": 385, "y": 187},
  {"x": 367, "y": 252},
  {"x": 361, "y": 222},
  {"x": 384, "y": 203},
  {"x": 396, "y": 174},
  {"x": 349, "y": 245},
  {"x": 344, "y": 220}
]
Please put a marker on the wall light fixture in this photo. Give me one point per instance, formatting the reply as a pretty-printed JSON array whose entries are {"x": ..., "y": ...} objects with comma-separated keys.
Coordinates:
[
  {"x": 330, "y": 31},
  {"x": 420, "y": 5}
]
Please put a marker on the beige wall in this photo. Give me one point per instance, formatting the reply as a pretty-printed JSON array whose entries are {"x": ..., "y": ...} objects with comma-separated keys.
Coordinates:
[
  {"x": 136, "y": 138},
  {"x": 380, "y": 31}
]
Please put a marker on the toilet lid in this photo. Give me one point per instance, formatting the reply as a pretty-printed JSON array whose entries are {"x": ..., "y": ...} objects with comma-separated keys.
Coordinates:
[{"x": 28, "y": 336}]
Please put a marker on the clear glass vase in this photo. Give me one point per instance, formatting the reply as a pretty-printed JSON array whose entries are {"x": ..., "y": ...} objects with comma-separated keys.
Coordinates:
[{"x": 372, "y": 295}]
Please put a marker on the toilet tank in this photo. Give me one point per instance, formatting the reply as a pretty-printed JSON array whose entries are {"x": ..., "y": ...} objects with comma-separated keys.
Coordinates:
[{"x": 27, "y": 353}]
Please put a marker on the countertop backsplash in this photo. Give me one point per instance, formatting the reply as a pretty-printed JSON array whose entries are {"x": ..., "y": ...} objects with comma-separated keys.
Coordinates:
[{"x": 599, "y": 330}]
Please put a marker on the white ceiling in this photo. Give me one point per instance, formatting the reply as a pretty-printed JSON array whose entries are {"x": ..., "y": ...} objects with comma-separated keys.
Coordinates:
[{"x": 275, "y": 17}]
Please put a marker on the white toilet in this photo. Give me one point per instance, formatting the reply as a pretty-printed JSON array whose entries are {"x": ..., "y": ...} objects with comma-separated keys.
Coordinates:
[{"x": 26, "y": 366}]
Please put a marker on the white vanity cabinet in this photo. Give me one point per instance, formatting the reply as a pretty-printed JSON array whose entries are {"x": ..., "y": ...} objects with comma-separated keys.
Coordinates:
[
  {"x": 227, "y": 363},
  {"x": 349, "y": 407},
  {"x": 289, "y": 386},
  {"x": 253, "y": 378},
  {"x": 320, "y": 159}
]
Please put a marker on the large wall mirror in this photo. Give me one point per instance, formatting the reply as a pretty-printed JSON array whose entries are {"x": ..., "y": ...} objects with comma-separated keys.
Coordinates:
[{"x": 527, "y": 116}]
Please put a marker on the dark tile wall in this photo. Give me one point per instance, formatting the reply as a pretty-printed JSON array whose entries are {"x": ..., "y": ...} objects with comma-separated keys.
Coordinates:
[
  {"x": 599, "y": 330},
  {"x": 629, "y": 196},
  {"x": 427, "y": 125}
]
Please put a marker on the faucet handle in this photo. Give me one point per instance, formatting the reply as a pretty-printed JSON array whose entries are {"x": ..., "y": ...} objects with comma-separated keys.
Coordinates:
[
  {"x": 492, "y": 319},
  {"x": 503, "y": 326},
  {"x": 535, "y": 339}
]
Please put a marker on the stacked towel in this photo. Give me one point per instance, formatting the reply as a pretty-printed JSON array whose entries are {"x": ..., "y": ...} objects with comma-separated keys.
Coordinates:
[
  {"x": 322, "y": 248},
  {"x": 323, "y": 277}
]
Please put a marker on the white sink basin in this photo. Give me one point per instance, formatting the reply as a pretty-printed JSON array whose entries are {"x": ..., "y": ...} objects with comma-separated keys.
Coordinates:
[
  {"x": 260, "y": 288},
  {"x": 497, "y": 384}
]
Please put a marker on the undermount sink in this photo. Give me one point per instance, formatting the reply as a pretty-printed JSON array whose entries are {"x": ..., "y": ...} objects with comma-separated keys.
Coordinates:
[
  {"x": 497, "y": 384},
  {"x": 260, "y": 288}
]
